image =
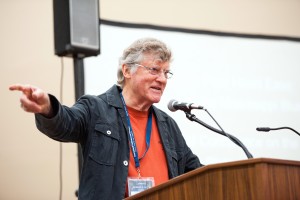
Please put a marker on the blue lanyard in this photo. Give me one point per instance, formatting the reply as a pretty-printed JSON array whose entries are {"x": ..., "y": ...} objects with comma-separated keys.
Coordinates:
[{"x": 131, "y": 135}]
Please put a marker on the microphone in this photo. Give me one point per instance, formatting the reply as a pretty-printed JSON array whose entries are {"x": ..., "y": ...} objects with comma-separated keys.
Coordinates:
[
  {"x": 174, "y": 105},
  {"x": 267, "y": 129}
]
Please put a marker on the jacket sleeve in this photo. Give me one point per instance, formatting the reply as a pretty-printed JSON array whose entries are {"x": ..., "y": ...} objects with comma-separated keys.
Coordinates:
[
  {"x": 191, "y": 161},
  {"x": 68, "y": 123}
]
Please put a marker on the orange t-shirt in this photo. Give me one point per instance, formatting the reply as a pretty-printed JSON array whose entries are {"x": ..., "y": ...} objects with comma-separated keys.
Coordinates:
[{"x": 154, "y": 163}]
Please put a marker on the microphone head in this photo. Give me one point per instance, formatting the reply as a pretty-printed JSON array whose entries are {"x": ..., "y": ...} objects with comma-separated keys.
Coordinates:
[
  {"x": 265, "y": 129},
  {"x": 170, "y": 105}
]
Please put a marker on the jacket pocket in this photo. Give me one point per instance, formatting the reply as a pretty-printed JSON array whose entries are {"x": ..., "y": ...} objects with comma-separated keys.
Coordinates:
[{"x": 105, "y": 144}]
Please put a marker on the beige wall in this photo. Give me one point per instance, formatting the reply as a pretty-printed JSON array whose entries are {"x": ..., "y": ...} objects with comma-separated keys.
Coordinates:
[
  {"x": 266, "y": 17},
  {"x": 29, "y": 161}
]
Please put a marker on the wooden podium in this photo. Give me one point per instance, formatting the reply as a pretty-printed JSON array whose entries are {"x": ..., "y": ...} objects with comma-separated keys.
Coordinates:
[{"x": 253, "y": 179}]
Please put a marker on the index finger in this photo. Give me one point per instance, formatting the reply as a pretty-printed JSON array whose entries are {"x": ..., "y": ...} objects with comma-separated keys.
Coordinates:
[
  {"x": 26, "y": 89},
  {"x": 18, "y": 87}
]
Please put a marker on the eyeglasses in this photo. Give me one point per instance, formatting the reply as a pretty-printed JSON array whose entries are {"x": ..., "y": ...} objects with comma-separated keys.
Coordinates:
[{"x": 156, "y": 71}]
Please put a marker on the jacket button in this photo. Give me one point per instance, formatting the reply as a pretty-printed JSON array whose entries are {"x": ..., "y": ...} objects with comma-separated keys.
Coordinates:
[
  {"x": 125, "y": 162},
  {"x": 108, "y": 132}
]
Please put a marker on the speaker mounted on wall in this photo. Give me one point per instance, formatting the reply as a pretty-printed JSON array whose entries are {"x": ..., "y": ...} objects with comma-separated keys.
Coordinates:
[{"x": 76, "y": 28}]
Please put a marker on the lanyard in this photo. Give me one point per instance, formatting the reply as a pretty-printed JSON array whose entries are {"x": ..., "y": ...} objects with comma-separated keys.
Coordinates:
[{"x": 131, "y": 135}]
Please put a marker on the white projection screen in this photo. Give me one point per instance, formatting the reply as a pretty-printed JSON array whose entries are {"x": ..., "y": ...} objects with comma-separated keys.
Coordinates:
[{"x": 243, "y": 82}]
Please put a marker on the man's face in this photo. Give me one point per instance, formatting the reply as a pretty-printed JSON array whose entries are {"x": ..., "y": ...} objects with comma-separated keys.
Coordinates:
[{"x": 147, "y": 87}]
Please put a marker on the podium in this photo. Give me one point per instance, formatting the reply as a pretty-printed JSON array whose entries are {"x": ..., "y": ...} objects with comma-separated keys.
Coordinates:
[{"x": 252, "y": 179}]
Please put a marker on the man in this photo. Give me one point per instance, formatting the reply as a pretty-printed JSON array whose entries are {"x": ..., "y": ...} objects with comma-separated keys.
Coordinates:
[{"x": 126, "y": 141}]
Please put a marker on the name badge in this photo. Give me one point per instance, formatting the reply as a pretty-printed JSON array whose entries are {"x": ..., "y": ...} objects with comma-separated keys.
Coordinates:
[{"x": 139, "y": 184}]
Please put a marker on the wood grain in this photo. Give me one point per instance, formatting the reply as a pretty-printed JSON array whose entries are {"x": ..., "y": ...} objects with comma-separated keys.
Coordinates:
[{"x": 253, "y": 179}]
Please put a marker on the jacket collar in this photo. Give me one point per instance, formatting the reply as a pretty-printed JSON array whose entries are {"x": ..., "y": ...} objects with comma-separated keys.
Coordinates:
[
  {"x": 158, "y": 114},
  {"x": 113, "y": 96}
]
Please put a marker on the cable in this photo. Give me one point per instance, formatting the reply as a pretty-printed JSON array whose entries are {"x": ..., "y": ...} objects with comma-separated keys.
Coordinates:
[
  {"x": 226, "y": 134},
  {"x": 192, "y": 117},
  {"x": 60, "y": 143}
]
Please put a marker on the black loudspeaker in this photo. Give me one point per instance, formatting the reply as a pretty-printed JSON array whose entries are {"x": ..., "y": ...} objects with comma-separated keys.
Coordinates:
[{"x": 76, "y": 28}]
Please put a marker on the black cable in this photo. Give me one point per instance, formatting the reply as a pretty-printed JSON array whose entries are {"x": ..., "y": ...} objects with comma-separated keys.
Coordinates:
[
  {"x": 192, "y": 117},
  {"x": 60, "y": 143},
  {"x": 226, "y": 134}
]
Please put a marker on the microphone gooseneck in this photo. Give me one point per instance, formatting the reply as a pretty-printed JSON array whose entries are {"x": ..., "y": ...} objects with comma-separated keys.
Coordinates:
[{"x": 267, "y": 129}]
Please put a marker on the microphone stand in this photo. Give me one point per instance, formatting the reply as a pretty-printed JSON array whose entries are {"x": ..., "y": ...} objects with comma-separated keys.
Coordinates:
[{"x": 192, "y": 117}]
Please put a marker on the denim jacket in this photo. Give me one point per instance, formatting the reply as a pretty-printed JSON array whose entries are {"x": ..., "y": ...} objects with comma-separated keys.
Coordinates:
[{"x": 99, "y": 124}]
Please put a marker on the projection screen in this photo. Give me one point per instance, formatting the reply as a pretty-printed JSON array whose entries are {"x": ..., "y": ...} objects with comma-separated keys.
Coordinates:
[{"x": 244, "y": 83}]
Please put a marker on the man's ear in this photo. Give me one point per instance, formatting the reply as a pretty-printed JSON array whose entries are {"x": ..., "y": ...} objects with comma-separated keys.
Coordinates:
[{"x": 126, "y": 71}]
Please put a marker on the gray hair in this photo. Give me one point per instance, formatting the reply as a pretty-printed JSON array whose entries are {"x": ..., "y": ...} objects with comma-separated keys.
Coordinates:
[{"x": 137, "y": 50}]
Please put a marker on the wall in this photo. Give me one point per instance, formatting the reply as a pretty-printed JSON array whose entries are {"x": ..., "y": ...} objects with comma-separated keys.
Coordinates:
[
  {"x": 267, "y": 17},
  {"x": 29, "y": 161}
]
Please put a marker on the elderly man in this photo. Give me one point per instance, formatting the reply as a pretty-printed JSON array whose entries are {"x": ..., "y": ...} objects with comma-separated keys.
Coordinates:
[{"x": 126, "y": 140}]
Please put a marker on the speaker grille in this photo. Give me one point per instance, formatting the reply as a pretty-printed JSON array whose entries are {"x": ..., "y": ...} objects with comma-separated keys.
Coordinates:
[{"x": 84, "y": 24}]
